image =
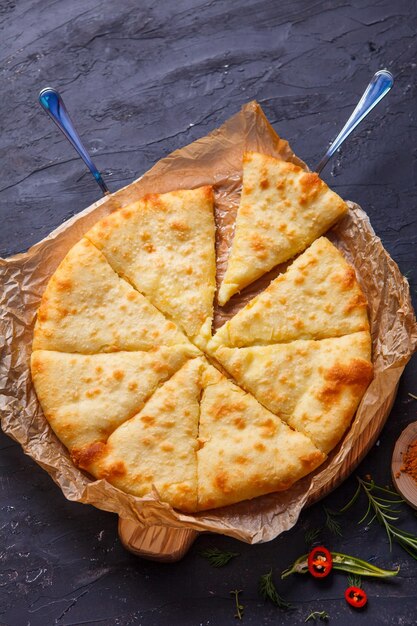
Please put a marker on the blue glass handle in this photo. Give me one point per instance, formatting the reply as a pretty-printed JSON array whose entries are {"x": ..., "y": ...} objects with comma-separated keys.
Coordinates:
[
  {"x": 379, "y": 86},
  {"x": 53, "y": 104}
]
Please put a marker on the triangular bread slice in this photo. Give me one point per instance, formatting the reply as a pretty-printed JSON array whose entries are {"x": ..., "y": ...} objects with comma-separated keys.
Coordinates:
[
  {"x": 164, "y": 246},
  {"x": 282, "y": 210},
  {"x": 315, "y": 386},
  {"x": 158, "y": 446},
  {"x": 88, "y": 308},
  {"x": 86, "y": 397},
  {"x": 245, "y": 450},
  {"x": 317, "y": 297}
]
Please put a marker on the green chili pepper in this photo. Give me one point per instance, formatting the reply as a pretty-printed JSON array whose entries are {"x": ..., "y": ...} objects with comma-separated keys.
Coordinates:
[{"x": 344, "y": 563}]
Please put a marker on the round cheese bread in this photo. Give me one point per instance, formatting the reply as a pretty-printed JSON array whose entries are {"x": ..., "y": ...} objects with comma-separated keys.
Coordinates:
[{"x": 136, "y": 387}]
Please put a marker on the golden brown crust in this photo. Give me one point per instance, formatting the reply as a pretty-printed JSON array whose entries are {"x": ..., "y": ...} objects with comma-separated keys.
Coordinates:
[{"x": 282, "y": 210}]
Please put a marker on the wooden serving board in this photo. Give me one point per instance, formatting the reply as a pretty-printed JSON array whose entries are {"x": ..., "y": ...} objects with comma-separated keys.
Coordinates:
[{"x": 167, "y": 544}]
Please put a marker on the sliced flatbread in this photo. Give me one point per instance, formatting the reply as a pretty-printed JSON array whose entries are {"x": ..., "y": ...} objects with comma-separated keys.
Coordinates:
[
  {"x": 317, "y": 297},
  {"x": 245, "y": 450},
  {"x": 158, "y": 446},
  {"x": 88, "y": 308},
  {"x": 315, "y": 386},
  {"x": 164, "y": 246},
  {"x": 282, "y": 210},
  {"x": 86, "y": 397}
]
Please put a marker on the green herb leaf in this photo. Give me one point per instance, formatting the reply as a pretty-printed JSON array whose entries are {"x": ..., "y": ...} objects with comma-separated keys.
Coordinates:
[
  {"x": 269, "y": 592},
  {"x": 331, "y": 522},
  {"x": 311, "y": 536},
  {"x": 382, "y": 506},
  {"x": 322, "y": 615},
  {"x": 216, "y": 557},
  {"x": 239, "y": 607},
  {"x": 354, "y": 580}
]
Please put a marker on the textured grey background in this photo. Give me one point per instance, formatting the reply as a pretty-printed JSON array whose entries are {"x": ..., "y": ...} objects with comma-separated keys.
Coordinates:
[{"x": 141, "y": 79}]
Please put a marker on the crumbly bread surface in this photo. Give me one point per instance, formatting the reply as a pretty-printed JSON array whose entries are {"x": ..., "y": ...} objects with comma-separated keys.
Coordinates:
[{"x": 282, "y": 210}]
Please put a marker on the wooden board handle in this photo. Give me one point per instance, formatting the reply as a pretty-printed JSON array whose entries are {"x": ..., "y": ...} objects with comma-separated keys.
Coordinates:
[{"x": 156, "y": 543}]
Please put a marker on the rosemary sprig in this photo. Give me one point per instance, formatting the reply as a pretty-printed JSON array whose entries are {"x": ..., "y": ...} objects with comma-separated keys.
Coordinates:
[
  {"x": 354, "y": 580},
  {"x": 381, "y": 502},
  {"x": 321, "y": 615},
  {"x": 216, "y": 557},
  {"x": 239, "y": 607},
  {"x": 331, "y": 522},
  {"x": 268, "y": 591},
  {"x": 311, "y": 536}
]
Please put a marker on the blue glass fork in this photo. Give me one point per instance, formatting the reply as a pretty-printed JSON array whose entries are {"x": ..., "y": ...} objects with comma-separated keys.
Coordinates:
[{"x": 53, "y": 104}]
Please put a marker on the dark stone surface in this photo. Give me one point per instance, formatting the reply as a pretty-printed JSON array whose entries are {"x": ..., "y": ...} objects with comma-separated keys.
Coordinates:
[{"x": 141, "y": 79}]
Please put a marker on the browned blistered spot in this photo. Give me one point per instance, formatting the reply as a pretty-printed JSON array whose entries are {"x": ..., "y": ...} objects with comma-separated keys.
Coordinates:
[
  {"x": 188, "y": 270},
  {"x": 167, "y": 447},
  {"x": 240, "y": 423},
  {"x": 149, "y": 247},
  {"x": 259, "y": 446},
  {"x": 181, "y": 227},
  {"x": 132, "y": 295},
  {"x": 357, "y": 374},
  {"x": 346, "y": 279},
  {"x": 258, "y": 246},
  {"x": 147, "y": 441},
  {"x": 169, "y": 404},
  {"x": 299, "y": 280},
  {"x": 269, "y": 427},
  {"x": 89, "y": 454},
  {"x": 63, "y": 284},
  {"x": 159, "y": 367},
  {"x": 200, "y": 444},
  {"x": 221, "y": 482},
  {"x": 264, "y": 183},
  {"x": 241, "y": 460},
  {"x": 281, "y": 185},
  {"x": 310, "y": 184},
  {"x": 356, "y": 301},
  {"x": 148, "y": 420},
  {"x": 118, "y": 375},
  {"x": 114, "y": 471},
  {"x": 225, "y": 409},
  {"x": 313, "y": 459},
  {"x": 168, "y": 424},
  {"x": 126, "y": 213},
  {"x": 329, "y": 308},
  {"x": 297, "y": 323},
  {"x": 92, "y": 393},
  {"x": 132, "y": 386}
]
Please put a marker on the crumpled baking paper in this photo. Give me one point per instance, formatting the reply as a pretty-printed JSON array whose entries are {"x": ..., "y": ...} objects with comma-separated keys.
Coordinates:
[{"x": 216, "y": 160}]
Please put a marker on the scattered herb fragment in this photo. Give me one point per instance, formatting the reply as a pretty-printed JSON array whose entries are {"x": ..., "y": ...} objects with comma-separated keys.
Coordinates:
[
  {"x": 354, "y": 580},
  {"x": 311, "y": 536},
  {"x": 356, "y": 597},
  {"x": 268, "y": 591},
  {"x": 381, "y": 503},
  {"x": 239, "y": 607},
  {"x": 331, "y": 522},
  {"x": 216, "y": 557},
  {"x": 343, "y": 563},
  {"x": 319, "y": 562},
  {"x": 412, "y": 396},
  {"x": 321, "y": 615}
]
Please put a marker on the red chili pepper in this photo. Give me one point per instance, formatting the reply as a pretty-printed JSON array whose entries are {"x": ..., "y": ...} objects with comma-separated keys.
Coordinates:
[
  {"x": 320, "y": 562},
  {"x": 356, "y": 597}
]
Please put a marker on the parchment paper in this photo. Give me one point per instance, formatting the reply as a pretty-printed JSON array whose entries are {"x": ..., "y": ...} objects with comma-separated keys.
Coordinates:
[{"x": 217, "y": 160}]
